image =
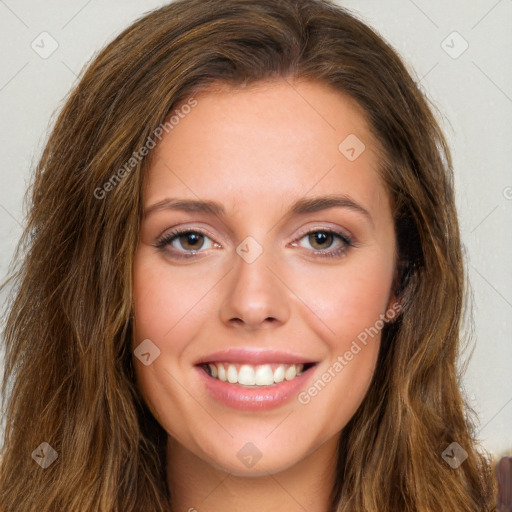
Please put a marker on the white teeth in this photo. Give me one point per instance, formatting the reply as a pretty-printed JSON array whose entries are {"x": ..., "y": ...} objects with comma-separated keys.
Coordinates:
[
  {"x": 264, "y": 375},
  {"x": 232, "y": 374},
  {"x": 249, "y": 375},
  {"x": 279, "y": 374},
  {"x": 246, "y": 375},
  {"x": 290, "y": 373}
]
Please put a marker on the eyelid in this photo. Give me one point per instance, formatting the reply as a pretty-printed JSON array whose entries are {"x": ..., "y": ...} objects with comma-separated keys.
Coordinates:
[
  {"x": 180, "y": 229},
  {"x": 329, "y": 229}
]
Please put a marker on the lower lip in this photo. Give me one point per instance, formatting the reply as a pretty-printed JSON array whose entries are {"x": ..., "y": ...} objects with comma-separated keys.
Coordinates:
[{"x": 254, "y": 399}]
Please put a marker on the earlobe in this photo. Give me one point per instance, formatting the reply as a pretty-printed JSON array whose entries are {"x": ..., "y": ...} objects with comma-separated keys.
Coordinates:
[{"x": 393, "y": 308}]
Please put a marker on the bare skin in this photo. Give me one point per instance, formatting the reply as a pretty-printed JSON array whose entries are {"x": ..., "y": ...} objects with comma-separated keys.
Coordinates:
[{"x": 257, "y": 151}]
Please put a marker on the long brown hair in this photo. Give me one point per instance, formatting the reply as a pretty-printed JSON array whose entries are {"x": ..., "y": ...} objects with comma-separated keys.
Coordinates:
[{"x": 68, "y": 377}]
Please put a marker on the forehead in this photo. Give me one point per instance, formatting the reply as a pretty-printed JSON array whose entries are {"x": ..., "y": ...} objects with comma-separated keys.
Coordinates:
[{"x": 267, "y": 142}]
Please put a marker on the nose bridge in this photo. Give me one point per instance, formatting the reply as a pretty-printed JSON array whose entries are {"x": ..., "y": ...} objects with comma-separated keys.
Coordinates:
[{"x": 255, "y": 295}]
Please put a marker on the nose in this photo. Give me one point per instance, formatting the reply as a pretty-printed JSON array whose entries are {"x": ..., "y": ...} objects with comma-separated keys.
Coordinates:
[{"x": 255, "y": 295}]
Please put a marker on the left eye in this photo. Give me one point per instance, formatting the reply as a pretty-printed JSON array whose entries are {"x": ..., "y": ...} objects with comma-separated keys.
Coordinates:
[{"x": 322, "y": 240}]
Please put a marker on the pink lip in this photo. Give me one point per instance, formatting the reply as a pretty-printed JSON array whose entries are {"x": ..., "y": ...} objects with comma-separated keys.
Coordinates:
[
  {"x": 253, "y": 356},
  {"x": 253, "y": 399}
]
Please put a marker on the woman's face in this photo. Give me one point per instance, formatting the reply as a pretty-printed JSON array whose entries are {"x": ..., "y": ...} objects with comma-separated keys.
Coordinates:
[{"x": 284, "y": 257}]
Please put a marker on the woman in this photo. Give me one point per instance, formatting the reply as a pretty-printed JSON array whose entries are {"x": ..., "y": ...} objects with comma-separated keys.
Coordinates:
[{"x": 182, "y": 339}]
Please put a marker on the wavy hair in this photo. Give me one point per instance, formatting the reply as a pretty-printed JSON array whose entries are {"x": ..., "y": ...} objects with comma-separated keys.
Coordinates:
[{"x": 69, "y": 378}]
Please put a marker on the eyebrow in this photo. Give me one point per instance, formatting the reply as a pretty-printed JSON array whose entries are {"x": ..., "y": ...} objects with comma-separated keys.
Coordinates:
[{"x": 303, "y": 206}]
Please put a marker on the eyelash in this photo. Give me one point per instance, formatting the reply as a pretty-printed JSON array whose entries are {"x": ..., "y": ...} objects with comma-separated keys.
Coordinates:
[{"x": 168, "y": 238}]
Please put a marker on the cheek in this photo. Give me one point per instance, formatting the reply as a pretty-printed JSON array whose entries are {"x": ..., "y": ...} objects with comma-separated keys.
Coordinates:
[
  {"x": 164, "y": 297},
  {"x": 351, "y": 303},
  {"x": 351, "y": 312},
  {"x": 349, "y": 299},
  {"x": 167, "y": 310}
]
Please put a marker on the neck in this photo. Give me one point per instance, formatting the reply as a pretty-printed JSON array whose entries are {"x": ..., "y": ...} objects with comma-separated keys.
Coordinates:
[{"x": 196, "y": 485}]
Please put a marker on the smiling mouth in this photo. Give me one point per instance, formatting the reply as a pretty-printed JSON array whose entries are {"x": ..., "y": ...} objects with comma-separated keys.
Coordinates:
[{"x": 249, "y": 375}]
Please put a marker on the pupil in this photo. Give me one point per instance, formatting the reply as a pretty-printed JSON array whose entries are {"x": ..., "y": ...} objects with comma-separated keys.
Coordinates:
[
  {"x": 321, "y": 237},
  {"x": 192, "y": 239}
]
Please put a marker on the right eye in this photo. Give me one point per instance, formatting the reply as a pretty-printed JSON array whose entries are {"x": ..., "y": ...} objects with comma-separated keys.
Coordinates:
[{"x": 191, "y": 241}]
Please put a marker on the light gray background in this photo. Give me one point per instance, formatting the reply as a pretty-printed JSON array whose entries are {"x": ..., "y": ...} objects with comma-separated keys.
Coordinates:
[{"x": 472, "y": 89}]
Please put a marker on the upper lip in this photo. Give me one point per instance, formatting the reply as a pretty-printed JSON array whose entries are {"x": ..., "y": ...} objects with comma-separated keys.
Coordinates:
[{"x": 253, "y": 356}]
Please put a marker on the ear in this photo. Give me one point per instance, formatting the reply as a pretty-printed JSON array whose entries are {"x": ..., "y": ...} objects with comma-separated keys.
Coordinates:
[{"x": 394, "y": 308}]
